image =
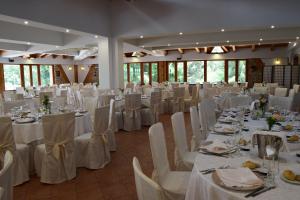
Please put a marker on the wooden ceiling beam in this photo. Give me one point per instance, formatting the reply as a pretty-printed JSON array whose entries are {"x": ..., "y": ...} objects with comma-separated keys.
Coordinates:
[
  {"x": 54, "y": 56},
  {"x": 205, "y": 49},
  {"x": 197, "y": 50},
  {"x": 224, "y": 49},
  {"x": 233, "y": 48},
  {"x": 65, "y": 56},
  {"x": 180, "y": 50},
  {"x": 44, "y": 55}
]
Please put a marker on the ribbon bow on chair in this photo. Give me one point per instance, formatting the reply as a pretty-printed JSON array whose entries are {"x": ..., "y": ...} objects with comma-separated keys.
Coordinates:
[
  {"x": 5, "y": 147},
  {"x": 59, "y": 149}
]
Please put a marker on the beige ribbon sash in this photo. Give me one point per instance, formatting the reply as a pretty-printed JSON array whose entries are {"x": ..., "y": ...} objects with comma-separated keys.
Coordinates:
[{"x": 59, "y": 149}]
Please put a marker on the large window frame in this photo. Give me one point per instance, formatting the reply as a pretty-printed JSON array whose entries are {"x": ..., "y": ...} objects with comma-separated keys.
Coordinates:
[{"x": 142, "y": 75}]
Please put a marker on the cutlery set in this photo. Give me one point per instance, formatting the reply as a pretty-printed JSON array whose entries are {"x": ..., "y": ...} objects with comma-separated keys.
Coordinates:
[{"x": 259, "y": 191}]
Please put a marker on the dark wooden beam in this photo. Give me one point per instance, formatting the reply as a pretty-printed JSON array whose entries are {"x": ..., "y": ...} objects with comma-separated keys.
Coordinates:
[
  {"x": 54, "y": 56},
  {"x": 180, "y": 50},
  {"x": 197, "y": 50},
  {"x": 224, "y": 49}
]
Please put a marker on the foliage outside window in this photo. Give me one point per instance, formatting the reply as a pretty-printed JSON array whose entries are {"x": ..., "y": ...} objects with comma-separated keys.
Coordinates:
[
  {"x": 180, "y": 72},
  {"x": 146, "y": 73},
  {"x": 12, "y": 78},
  {"x": 215, "y": 71},
  {"x": 35, "y": 80},
  {"x": 171, "y": 69},
  {"x": 125, "y": 74},
  {"x": 231, "y": 71},
  {"x": 195, "y": 72},
  {"x": 135, "y": 72},
  {"x": 154, "y": 71},
  {"x": 26, "y": 75},
  {"x": 242, "y": 70},
  {"x": 46, "y": 75}
]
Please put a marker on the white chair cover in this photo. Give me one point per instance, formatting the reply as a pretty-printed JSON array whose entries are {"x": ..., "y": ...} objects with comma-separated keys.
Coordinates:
[
  {"x": 177, "y": 103},
  {"x": 281, "y": 92},
  {"x": 296, "y": 88},
  {"x": 239, "y": 101},
  {"x": 184, "y": 159},
  {"x": 174, "y": 183},
  {"x": 55, "y": 160},
  {"x": 112, "y": 126},
  {"x": 207, "y": 115},
  {"x": 90, "y": 104},
  {"x": 198, "y": 135},
  {"x": 20, "y": 90},
  {"x": 295, "y": 106},
  {"x": 146, "y": 188},
  {"x": 92, "y": 149},
  {"x": 132, "y": 113},
  {"x": 104, "y": 100},
  {"x": 20, "y": 152},
  {"x": 280, "y": 102},
  {"x": 257, "y": 85},
  {"x": 260, "y": 90},
  {"x": 6, "y": 177},
  {"x": 151, "y": 115},
  {"x": 291, "y": 92}
]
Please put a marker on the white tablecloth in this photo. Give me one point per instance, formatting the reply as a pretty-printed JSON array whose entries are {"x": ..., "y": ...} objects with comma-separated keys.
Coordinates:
[
  {"x": 30, "y": 132},
  {"x": 202, "y": 186}
]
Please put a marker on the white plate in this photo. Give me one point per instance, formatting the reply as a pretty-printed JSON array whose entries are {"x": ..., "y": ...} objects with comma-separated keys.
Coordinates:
[
  {"x": 289, "y": 181},
  {"x": 24, "y": 120}
]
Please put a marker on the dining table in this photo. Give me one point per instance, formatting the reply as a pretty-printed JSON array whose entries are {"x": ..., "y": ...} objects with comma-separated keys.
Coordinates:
[{"x": 204, "y": 186}]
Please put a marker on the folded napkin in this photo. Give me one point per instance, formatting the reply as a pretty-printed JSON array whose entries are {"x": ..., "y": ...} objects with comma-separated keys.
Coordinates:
[
  {"x": 252, "y": 106},
  {"x": 282, "y": 135},
  {"x": 240, "y": 177},
  {"x": 216, "y": 146},
  {"x": 224, "y": 128}
]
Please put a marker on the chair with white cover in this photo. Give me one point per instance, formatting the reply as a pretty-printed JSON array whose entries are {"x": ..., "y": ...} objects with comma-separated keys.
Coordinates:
[
  {"x": 90, "y": 104},
  {"x": 257, "y": 85},
  {"x": 296, "y": 88},
  {"x": 112, "y": 126},
  {"x": 104, "y": 99},
  {"x": 20, "y": 90},
  {"x": 291, "y": 93},
  {"x": 151, "y": 115},
  {"x": 146, "y": 188},
  {"x": 260, "y": 90},
  {"x": 280, "y": 92},
  {"x": 55, "y": 160},
  {"x": 177, "y": 103},
  {"x": 280, "y": 102},
  {"x": 184, "y": 159},
  {"x": 174, "y": 183},
  {"x": 132, "y": 113},
  {"x": 6, "y": 174},
  {"x": 20, "y": 152},
  {"x": 207, "y": 115},
  {"x": 92, "y": 149},
  {"x": 237, "y": 101},
  {"x": 198, "y": 135},
  {"x": 295, "y": 105}
]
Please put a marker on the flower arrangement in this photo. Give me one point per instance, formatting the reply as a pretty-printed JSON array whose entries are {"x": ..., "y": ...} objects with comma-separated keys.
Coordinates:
[
  {"x": 278, "y": 117},
  {"x": 46, "y": 104},
  {"x": 263, "y": 101},
  {"x": 271, "y": 121}
]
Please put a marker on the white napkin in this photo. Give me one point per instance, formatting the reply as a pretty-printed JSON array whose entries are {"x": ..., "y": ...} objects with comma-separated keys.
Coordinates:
[
  {"x": 224, "y": 128},
  {"x": 216, "y": 146},
  {"x": 240, "y": 177}
]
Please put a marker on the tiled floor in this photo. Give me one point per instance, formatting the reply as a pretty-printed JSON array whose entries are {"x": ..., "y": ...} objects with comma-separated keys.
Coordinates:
[{"x": 115, "y": 181}]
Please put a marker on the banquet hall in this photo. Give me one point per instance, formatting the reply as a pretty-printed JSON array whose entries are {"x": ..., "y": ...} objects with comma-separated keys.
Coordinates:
[{"x": 149, "y": 100}]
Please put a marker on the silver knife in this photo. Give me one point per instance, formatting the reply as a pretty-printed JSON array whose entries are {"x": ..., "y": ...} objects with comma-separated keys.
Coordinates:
[{"x": 263, "y": 190}]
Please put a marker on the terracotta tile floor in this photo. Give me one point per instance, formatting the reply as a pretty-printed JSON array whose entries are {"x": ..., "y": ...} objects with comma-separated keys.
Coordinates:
[{"x": 115, "y": 181}]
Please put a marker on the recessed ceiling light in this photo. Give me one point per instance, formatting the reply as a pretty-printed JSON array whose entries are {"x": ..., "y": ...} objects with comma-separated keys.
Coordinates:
[
  {"x": 197, "y": 43},
  {"x": 294, "y": 44},
  {"x": 143, "y": 46},
  {"x": 96, "y": 36},
  {"x": 297, "y": 38},
  {"x": 181, "y": 33},
  {"x": 67, "y": 30},
  {"x": 222, "y": 30},
  {"x": 227, "y": 41},
  {"x": 28, "y": 43},
  {"x": 272, "y": 26},
  {"x": 169, "y": 45},
  {"x": 26, "y": 22},
  {"x": 290, "y": 42},
  {"x": 260, "y": 39},
  {"x": 141, "y": 36}
]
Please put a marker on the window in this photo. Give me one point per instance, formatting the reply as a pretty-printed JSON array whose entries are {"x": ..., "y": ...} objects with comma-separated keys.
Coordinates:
[
  {"x": 242, "y": 70},
  {"x": 171, "y": 70},
  {"x": 146, "y": 73},
  {"x": 180, "y": 72},
  {"x": 231, "y": 71},
  {"x": 125, "y": 74},
  {"x": 195, "y": 72},
  {"x": 154, "y": 72},
  {"x": 215, "y": 71},
  {"x": 135, "y": 72},
  {"x": 35, "y": 80},
  {"x": 12, "y": 77},
  {"x": 46, "y": 75},
  {"x": 26, "y": 75}
]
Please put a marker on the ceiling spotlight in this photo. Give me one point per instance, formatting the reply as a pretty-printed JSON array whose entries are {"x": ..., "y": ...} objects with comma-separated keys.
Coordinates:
[
  {"x": 70, "y": 68},
  {"x": 181, "y": 33},
  {"x": 197, "y": 43},
  {"x": 227, "y": 41},
  {"x": 222, "y": 30},
  {"x": 82, "y": 68},
  {"x": 67, "y": 30},
  {"x": 143, "y": 46},
  {"x": 290, "y": 42},
  {"x": 26, "y": 22},
  {"x": 272, "y": 26},
  {"x": 96, "y": 36},
  {"x": 28, "y": 43},
  {"x": 260, "y": 39},
  {"x": 169, "y": 45},
  {"x": 259, "y": 43},
  {"x": 297, "y": 38},
  {"x": 294, "y": 44},
  {"x": 141, "y": 36}
]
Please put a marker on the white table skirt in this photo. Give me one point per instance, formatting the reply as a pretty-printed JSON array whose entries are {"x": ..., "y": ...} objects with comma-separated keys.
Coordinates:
[
  {"x": 202, "y": 186},
  {"x": 27, "y": 133}
]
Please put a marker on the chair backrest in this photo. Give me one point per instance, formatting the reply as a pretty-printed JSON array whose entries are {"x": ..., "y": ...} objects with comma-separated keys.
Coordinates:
[
  {"x": 101, "y": 120},
  {"x": 179, "y": 92},
  {"x": 260, "y": 90},
  {"x": 146, "y": 188},
  {"x": 155, "y": 98},
  {"x": 195, "y": 122},
  {"x": 239, "y": 101},
  {"x": 280, "y": 92},
  {"x": 207, "y": 114},
  {"x": 280, "y": 102},
  {"x": 6, "y": 177},
  {"x": 291, "y": 92},
  {"x": 179, "y": 132},
  {"x": 7, "y": 141},
  {"x": 104, "y": 100},
  {"x": 159, "y": 151},
  {"x": 295, "y": 106},
  {"x": 90, "y": 104},
  {"x": 296, "y": 88},
  {"x": 257, "y": 85},
  {"x": 132, "y": 101},
  {"x": 112, "y": 115}
]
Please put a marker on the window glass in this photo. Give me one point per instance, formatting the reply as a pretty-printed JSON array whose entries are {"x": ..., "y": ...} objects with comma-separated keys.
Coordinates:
[
  {"x": 125, "y": 74},
  {"x": 180, "y": 72},
  {"x": 146, "y": 73},
  {"x": 242, "y": 70},
  {"x": 135, "y": 72},
  {"x": 46, "y": 75},
  {"x": 195, "y": 72},
  {"x": 35, "y": 80},
  {"x": 154, "y": 71},
  {"x": 171, "y": 70},
  {"x": 12, "y": 77},
  {"x": 231, "y": 71},
  {"x": 215, "y": 71},
  {"x": 26, "y": 75}
]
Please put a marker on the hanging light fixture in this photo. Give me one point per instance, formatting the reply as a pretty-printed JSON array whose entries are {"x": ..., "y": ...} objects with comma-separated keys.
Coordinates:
[
  {"x": 277, "y": 61},
  {"x": 217, "y": 49}
]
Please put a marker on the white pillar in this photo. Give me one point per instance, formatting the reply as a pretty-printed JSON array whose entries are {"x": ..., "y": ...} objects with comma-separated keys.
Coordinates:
[{"x": 110, "y": 59}]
